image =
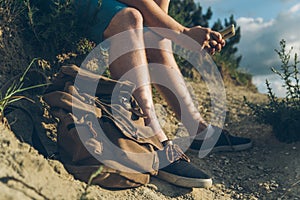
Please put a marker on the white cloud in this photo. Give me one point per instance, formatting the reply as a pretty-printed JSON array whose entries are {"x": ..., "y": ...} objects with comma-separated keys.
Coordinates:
[
  {"x": 274, "y": 80},
  {"x": 295, "y": 8},
  {"x": 260, "y": 38},
  {"x": 253, "y": 24}
]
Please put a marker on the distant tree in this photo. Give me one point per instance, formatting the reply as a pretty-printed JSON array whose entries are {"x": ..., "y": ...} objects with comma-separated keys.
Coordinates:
[
  {"x": 188, "y": 13},
  {"x": 230, "y": 50},
  {"x": 227, "y": 60}
]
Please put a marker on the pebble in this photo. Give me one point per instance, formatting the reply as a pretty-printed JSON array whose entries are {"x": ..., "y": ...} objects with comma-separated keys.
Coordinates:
[
  {"x": 273, "y": 186},
  {"x": 253, "y": 198},
  {"x": 251, "y": 166},
  {"x": 260, "y": 167},
  {"x": 152, "y": 187},
  {"x": 240, "y": 188}
]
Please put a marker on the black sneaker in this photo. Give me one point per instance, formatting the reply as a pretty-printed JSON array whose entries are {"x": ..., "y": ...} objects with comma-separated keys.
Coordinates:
[
  {"x": 180, "y": 171},
  {"x": 225, "y": 142}
]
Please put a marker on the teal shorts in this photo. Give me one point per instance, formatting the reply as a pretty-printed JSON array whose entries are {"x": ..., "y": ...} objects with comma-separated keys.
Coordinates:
[{"x": 108, "y": 9}]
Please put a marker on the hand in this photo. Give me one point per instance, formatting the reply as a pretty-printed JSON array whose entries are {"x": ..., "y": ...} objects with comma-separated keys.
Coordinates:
[{"x": 209, "y": 40}]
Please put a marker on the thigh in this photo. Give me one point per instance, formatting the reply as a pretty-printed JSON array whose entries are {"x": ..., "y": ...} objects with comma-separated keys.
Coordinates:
[
  {"x": 163, "y": 4},
  {"x": 108, "y": 9}
]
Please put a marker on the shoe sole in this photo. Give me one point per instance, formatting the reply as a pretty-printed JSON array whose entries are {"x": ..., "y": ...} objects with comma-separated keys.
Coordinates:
[
  {"x": 184, "y": 181},
  {"x": 234, "y": 148}
]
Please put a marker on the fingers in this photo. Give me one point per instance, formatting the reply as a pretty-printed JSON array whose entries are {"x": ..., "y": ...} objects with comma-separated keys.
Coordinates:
[{"x": 214, "y": 43}]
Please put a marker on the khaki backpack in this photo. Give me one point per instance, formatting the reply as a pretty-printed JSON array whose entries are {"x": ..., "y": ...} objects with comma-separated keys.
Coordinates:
[{"x": 96, "y": 130}]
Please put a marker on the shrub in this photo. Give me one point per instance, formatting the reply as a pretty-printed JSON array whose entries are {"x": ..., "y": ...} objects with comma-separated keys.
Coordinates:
[
  {"x": 283, "y": 114},
  {"x": 58, "y": 26},
  {"x": 12, "y": 46}
]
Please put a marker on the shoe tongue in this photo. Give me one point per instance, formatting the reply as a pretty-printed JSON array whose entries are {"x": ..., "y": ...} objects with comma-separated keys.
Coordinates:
[{"x": 206, "y": 133}]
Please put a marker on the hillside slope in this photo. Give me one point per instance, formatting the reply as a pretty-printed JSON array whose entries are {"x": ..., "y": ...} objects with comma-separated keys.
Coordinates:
[{"x": 270, "y": 170}]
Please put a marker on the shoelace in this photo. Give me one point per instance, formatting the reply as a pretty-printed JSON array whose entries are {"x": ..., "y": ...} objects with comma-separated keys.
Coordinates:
[{"x": 173, "y": 152}]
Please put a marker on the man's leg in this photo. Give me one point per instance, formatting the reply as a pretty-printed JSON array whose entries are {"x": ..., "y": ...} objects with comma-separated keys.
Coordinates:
[
  {"x": 171, "y": 85},
  {"x": 174, "y": 90},
  {"x": 167, "y": 72},
  {"x": 175, "y": 166},
  {"x": 133, "y": 65}
]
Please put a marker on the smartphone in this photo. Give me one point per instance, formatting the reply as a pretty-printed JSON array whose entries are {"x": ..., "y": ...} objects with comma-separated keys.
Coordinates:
[{"x": 228, "y": 32}]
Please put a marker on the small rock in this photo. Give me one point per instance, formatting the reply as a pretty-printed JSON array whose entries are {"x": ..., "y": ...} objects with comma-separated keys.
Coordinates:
[
  {"x": 253, "y": 198},
  {"x": 251, "y": 166},
  {"x": 274, "y": 186},
  {"x": 180, "y": 124},
  {"x": 152, "y": 187},
  {"x": 260, "y": 168},
  {"x": 272, "y": 181}
]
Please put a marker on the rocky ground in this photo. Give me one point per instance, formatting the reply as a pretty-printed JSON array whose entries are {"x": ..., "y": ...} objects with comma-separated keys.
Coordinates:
[{"x": 270, "y": 170}]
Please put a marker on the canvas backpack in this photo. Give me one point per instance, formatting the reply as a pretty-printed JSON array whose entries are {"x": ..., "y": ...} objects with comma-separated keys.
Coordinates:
[{"x": 96, "y": 130}]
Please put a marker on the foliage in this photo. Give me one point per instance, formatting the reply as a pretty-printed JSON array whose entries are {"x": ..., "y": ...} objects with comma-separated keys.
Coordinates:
[
  {"x": 283, "y": 114},
  {"x": 188, "y": 13},
  {"x": 58, "y": 26},
  {"x": 42, "y": 28},
  {"x": 12, "y": 94},
  {"x": 229, "y": 51},
  {"x": 227, "y": 60},
  {"x": 13, "y": 52}
]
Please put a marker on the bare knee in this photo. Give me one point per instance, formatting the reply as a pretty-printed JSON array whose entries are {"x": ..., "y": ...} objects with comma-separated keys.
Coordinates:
[
  {"x": 126, "y": 19},
  {"x": 133, "y": 18}
]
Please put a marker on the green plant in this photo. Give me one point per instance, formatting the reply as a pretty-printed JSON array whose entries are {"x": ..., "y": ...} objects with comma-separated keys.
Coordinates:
[
  {"x": 12, "y": 94},
  {"x": 283, "y": 114},
  {"x": 89, "y": 183},
  {"x": 57, "y": 26},
  {"x": 13, "y": 49}
]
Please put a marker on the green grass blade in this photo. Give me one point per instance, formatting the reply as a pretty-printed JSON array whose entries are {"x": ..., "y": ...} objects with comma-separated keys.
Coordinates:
[{"x": 27, "y": 69}]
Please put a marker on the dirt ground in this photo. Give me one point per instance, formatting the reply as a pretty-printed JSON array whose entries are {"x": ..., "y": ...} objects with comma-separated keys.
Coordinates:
[{"x": 270, "y": 170}]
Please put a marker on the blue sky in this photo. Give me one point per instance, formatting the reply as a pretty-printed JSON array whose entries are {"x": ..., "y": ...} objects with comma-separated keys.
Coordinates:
[{"x": 263, "y": 24}]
